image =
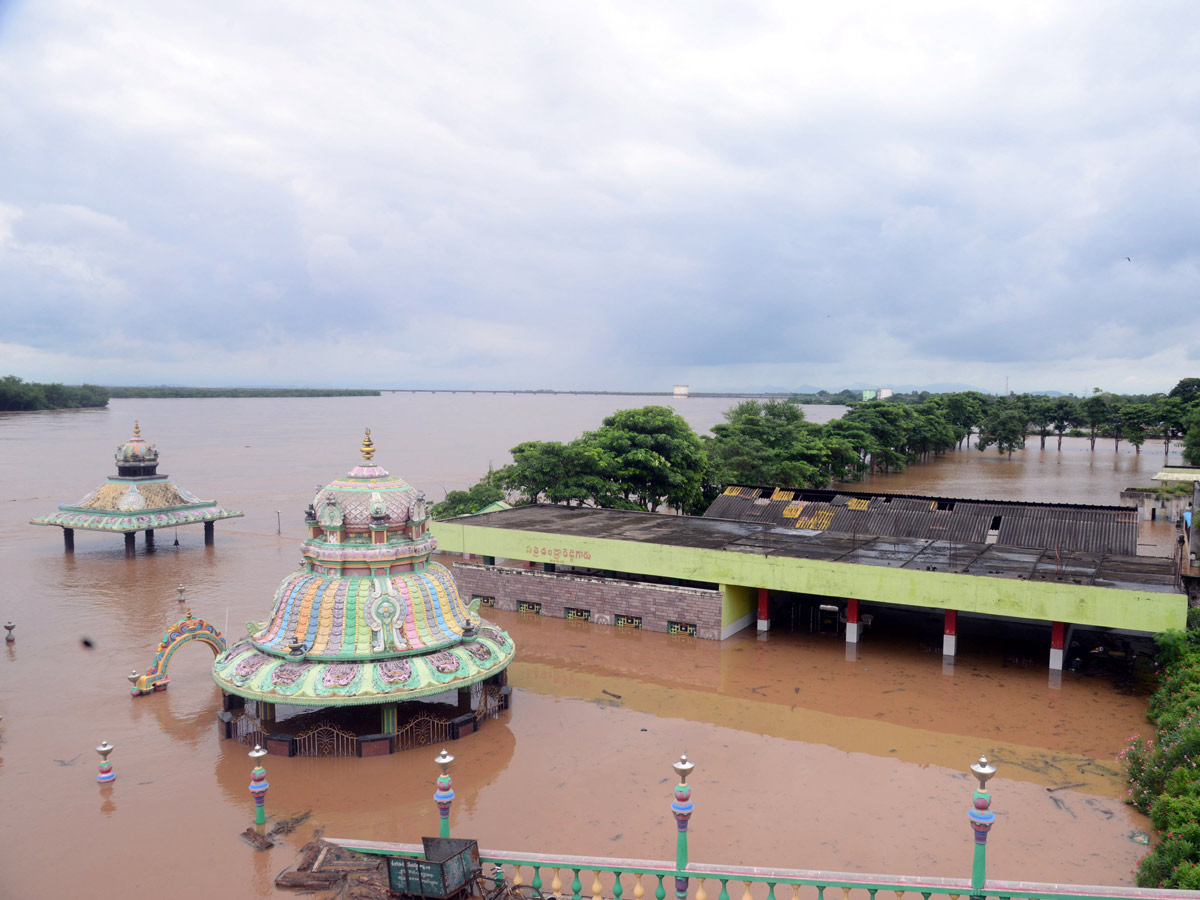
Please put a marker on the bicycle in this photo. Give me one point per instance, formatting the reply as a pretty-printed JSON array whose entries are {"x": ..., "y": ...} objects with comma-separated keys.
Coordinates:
[{"x": 496, "y": 887}]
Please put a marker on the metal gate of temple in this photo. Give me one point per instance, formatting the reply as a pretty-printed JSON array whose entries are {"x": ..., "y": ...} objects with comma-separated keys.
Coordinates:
[
  {"x": 490, "y": 703},
  {"x": 326, "y": 739},
  {"x": 422, "y": 732},
  {"x": 246, "y": 730}
]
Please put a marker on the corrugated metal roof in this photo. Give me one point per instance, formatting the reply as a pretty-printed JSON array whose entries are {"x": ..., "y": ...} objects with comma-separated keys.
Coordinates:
[
  {"x": 1059, "y": 527},
  {"x": 1128, "y": 571}
]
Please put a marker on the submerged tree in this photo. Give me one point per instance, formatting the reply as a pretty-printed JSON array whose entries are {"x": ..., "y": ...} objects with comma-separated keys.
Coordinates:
[
  {"x": 768, "y": 444},
  {"x": 1004, "y": 427},
  {"x": 1065, "y": 416},
  {"x": 1093, "y": 411},
  {"x": 1191, "y": 438},
  {"x": 1172, "y": 416},
  {"x": 465, "y": 503},
  {"x": 653, "y": 457}
]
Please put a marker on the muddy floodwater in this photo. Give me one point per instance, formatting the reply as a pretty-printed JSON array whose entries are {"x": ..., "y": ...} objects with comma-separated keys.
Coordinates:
[{"x": 803, "y": 759}]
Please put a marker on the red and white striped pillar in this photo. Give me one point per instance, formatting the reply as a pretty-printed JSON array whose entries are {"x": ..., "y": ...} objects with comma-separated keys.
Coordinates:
[
  {"x": 851, "y": 620},
  {"x": 1057, "y": 633},
  {"x": 764, "y": 610},
  {"x": 950, "y": 633}
]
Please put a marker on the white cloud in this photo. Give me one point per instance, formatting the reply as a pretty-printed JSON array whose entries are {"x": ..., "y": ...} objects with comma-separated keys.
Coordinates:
[{"x": 604, "y": 196}]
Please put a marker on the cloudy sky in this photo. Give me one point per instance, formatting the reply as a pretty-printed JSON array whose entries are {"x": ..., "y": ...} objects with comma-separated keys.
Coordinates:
[{"x": 613, "y": 195}]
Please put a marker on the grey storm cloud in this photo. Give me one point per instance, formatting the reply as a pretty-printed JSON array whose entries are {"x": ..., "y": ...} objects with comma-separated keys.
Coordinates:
[{"x": 626, "y": 195}]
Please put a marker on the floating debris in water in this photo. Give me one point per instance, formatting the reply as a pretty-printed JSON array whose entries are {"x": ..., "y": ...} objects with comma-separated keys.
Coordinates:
[{"x": 256, "y": 840}]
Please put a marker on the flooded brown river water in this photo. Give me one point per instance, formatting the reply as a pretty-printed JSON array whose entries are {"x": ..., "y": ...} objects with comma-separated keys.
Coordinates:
[{"x": 802, "y": 758}]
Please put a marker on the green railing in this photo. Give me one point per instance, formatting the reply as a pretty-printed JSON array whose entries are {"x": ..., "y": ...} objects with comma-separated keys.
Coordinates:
[{"x": 601, "y": 878}]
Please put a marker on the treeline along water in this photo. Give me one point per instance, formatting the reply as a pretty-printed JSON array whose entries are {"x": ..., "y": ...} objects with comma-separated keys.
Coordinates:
[
  {"x": 802, "y": 759},
  {"x": 16, "y": 394}
]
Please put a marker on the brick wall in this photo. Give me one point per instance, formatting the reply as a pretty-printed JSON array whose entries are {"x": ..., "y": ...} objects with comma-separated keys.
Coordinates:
[{"x": 605, "y": 598}]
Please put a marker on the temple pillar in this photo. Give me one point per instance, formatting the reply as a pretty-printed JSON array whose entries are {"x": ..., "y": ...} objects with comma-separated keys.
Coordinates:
[
  {"x": 388, "y": 719},
  {"x": 129, "y": 538},
  {"x": 950, "y": 634},
  {"x": 149, "y": 537},
  {"x": 266, "y": 714},
  {"x": 69, "y": 539},
  {"x": 851, "y": 620},
  {"x": 1057, "y": 633},
  {"x": 764, "y": 609},
  {"x": 208, "y": 533}
]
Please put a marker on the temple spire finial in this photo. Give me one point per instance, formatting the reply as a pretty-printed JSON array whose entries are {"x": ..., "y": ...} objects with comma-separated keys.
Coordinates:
[
  {"x": 368, "y": 448},
  {"x": 137, "y": 431}
]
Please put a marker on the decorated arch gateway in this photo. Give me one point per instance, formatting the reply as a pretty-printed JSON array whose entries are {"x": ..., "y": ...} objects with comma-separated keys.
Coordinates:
[
  {"x": 368, "y": 620},
  {"x": 182, "y": 632}
]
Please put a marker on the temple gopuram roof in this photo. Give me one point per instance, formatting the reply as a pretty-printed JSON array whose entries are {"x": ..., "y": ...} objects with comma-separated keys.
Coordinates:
[
  {"x": 137, "y": 498},
  {"x": 368, "y": 618}
]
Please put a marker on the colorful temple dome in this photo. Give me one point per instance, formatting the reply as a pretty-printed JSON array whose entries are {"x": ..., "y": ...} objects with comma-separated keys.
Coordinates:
[
  {"x": 137, "y": 498},
  {"x": 136, "y": 456},
  {"x": 368, "y": 618}
]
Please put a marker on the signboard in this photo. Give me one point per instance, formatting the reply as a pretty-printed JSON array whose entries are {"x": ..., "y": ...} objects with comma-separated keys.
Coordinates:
[{"x": 446, "y": 869}]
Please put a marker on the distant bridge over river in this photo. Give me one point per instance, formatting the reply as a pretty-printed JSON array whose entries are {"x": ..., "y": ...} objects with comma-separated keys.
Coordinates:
[{"x": 671, "y": 394}]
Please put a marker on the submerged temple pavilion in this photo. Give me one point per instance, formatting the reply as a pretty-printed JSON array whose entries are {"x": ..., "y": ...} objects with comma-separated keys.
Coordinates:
[
  {"x": 369, "y": 648},
  {"x": 136, "y": 499}
]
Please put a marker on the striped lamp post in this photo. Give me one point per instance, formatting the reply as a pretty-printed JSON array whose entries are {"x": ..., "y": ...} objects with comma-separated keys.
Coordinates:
[
  {"x": 981, "y": 818},
  {"x": 681, "y": 808},
  {"x": 106, "y": 768},
  {"x": 444, "y": 795},
  {"x": 258, "y": 785}
]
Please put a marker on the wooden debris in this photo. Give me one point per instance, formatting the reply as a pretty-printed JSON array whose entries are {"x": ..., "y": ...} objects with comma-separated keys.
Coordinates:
[
  {"x": 291, "y": 823},
  {"x": 1067, "y": 787},
  {"x": 323, "y": 866},
  {"x": 256, "y": 840},
  {"x": 307, "y": 880},
  {"x": 309, "y": 856}
]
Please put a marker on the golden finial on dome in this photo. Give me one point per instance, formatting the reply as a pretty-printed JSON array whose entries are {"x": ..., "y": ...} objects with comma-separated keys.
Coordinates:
[
  {"x": 137, "y": 432},
  {"x": 368, "y": 449}
]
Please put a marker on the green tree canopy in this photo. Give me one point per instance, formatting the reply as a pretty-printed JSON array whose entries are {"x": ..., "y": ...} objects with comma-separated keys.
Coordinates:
[
  {"x": 1135, "y": 418},
  {"x": 1066, "y": 415},
  {"x": 16, "y": 394},
  {"x": 1094, "y": 412},
  {"x": 574, "y": 473},
  {"x": 1004, "y": 427},
  {"x": 768, "y": 444},
  {"x": 1187, "y": 390},
  {"x": 652, "y": 457},
  {"x": 468, "y": 502},
  {"x": 1191, "y": 437},
  {"x": 1041, "y": 416}
]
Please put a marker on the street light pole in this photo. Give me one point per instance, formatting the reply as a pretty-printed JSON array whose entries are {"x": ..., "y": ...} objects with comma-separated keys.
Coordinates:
[
  {"x": 981, "y": 818},
  {"x": 106, "y": 768},
  {"x": 258, "y": 785},
  {"x": 444, "y": 795},
  {"x": 681, "y": 808}
]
